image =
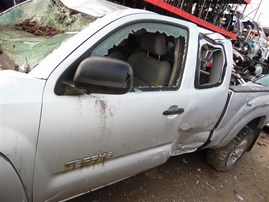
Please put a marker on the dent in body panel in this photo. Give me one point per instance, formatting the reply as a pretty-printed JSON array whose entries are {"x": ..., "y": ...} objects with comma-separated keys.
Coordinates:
[
  {"x": 261, "y": 111},
  {"x": 243, "y": 108},
  {"x": 188, "y": 142},
  {"x": 193, "y": 132}
]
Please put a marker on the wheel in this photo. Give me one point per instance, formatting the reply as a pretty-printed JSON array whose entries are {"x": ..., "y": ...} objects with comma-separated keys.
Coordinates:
[{"x": 226, "y": 158}]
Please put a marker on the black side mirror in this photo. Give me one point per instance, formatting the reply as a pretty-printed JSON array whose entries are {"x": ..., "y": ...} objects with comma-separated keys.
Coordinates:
[{"x": 104, "y": 75}]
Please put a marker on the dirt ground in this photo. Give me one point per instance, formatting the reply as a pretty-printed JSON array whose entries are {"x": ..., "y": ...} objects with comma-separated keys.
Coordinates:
[{"x": 189, "y": 178}]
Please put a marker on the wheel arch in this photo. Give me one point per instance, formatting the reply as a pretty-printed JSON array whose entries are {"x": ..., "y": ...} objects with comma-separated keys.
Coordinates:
[
  {"x": 256, "y": 124},
  {"x": 226, "y": 158},
  {"x": 13, "y": 189}
]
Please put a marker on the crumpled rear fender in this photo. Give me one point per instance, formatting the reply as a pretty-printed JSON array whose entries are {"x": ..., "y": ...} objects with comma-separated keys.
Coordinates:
[{"x": 256, "y": 113}]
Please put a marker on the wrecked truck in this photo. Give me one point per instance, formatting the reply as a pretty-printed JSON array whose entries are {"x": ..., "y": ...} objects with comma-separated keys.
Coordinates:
[{"x": 93, "y": 92}]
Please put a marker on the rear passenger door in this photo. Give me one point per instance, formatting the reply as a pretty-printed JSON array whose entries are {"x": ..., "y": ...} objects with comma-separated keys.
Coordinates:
[{"x": 210, "y": 93}]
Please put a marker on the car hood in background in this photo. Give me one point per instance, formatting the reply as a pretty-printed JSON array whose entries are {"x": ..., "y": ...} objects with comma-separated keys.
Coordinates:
[{"x": 96, "y": 8}]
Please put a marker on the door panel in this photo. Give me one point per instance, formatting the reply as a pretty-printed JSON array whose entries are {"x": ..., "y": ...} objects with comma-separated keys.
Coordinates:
[
  {"x": 87, "y": 141},
  {"x": 83, "y": 133},
  {"x": 207, "y": 98}
]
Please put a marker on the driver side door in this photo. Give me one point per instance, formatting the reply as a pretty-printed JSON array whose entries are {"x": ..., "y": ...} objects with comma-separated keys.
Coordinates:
[{"x": 89, "y": 140}]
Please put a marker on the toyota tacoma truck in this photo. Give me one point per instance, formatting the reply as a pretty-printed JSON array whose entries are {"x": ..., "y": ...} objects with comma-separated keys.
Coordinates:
[{"x": 92, "y": 92}]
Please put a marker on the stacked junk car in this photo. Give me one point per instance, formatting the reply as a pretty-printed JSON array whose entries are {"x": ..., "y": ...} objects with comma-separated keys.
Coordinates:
[{"x": 251, "y": 52}]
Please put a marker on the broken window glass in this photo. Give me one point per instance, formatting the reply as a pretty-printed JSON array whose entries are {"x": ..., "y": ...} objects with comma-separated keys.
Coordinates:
[
  {"x": 31, "y": 31},
  {"x": 155, "y": 51}
]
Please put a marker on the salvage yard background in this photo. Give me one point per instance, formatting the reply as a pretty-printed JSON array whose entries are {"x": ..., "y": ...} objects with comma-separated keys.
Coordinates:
[{"x": 189, "y": 178}]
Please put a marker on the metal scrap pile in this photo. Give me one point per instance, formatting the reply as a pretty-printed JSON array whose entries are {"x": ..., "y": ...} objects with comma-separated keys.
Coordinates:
[{"x": 251, "y": 53}]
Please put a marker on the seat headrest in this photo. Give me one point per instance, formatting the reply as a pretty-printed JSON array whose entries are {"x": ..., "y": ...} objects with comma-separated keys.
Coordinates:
[{"x": 154, "y": 43}]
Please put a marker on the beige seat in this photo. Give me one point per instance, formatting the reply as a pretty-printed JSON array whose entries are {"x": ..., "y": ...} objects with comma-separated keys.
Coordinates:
[
  {"x": 148, "y": 68},
  {"x": 117, "y": 55}
]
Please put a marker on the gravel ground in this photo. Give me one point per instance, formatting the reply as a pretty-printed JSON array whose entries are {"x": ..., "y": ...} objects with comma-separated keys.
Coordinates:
[{"x": 189, "y": 178}]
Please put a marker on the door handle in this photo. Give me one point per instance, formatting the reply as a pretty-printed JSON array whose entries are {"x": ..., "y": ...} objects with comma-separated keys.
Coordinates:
[{"x": 173, "y": 110}]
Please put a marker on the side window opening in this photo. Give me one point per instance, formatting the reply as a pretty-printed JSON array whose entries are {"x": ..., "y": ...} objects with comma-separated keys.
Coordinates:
[
  {"x": 151, "y": 55},
  {"x": 211, "y": 67},
  {"x": 156, "y": 52}
]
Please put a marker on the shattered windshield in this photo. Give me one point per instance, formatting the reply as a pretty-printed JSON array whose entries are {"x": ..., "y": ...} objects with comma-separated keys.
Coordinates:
[{"x": 31, "y": 31}]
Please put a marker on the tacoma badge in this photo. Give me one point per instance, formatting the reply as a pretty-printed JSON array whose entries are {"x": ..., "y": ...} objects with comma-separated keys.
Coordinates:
[{"x": 90, "y": 160}]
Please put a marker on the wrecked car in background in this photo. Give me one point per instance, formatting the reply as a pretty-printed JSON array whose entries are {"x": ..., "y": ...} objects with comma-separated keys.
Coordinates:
[
  {"x": 94, "y": 92},
  {"x": 251, "y": 52}
]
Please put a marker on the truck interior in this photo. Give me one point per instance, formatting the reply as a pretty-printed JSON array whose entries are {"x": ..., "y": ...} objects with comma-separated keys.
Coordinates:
[
  {"x": 154, "y": 58},
  {"x": 156, "y": 52},
  {"x": 212, "y": 65}
]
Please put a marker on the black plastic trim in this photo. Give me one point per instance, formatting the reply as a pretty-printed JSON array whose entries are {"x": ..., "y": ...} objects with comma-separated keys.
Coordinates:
[
  {"x": 257, "y": 132},
  {"x": 173, "y": 112}
]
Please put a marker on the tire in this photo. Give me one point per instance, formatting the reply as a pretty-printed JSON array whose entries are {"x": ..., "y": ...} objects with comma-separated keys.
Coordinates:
[{"x": 226, "y": 158}]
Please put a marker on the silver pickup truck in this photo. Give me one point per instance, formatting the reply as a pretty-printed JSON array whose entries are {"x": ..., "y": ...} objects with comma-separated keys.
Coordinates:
[{"x": 92, "y": 92}]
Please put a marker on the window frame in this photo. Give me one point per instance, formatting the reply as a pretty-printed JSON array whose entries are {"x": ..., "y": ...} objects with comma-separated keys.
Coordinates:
[
  {"x": 213, "y": 43},
  {"x": 72, "y": 68}
]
